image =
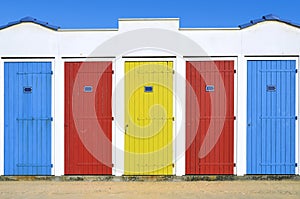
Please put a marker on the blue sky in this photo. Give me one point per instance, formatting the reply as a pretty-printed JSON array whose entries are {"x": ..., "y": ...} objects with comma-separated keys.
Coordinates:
[{"x": 105, "y": 13}]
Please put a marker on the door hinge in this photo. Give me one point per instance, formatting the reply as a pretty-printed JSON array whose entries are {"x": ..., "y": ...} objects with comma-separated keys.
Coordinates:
[
  {"x": 234, "y": 164},
  {"x": 296, "y": 118},
  {"x": 173, "y": 118},
  {"x": 296, "y": 71},
  {"x": 112, "y": 72},
  {"x": 112, "y": 118},
  {"x": 234, "y": 71},
  {"x": 173, "y": 165},
  {"x": 52, "y": 72},
  {"x": 51, "y": 119},
  {"x": 173, "y": 72},
  {"x": 112, "y": 165},
  {"x": 126, "y": 127},
  {"x": 51, "y": 165},
  {"x": 296, "y": 165},
  {"x": 234, "y": 117}
]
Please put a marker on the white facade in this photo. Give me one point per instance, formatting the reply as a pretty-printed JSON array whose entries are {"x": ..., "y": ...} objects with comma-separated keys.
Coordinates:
[{"x": 141, "y": 40}]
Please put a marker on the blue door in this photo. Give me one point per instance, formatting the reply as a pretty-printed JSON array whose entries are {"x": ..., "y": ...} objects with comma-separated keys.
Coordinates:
[
  {"x": 271, "y": 117},
  {"x": 27, "y": 113}
]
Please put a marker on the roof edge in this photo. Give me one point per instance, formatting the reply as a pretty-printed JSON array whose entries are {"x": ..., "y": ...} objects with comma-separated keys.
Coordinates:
[
  {"x": 30, "y": 20},
  {"x": 269, "y": 17}
]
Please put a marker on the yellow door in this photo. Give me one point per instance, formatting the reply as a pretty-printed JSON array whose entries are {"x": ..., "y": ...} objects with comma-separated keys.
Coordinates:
[{"x": 148, "y": 118}]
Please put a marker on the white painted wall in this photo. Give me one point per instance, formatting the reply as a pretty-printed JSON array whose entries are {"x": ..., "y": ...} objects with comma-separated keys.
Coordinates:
[
  {"x": 28, "y": 40},
  {"x": 82, "y": 43},
  {"x": 144, "y": 38},
  {"x": 218, "y": 42},
  {"x": 241, "y": 133},
  {"x": 180, "y": 109},
  {"x": 133, "y": 24},
  {"x": 267, "y": 38},
  {"x": 58, "y": 117},
  {"x": 270, "y": 38},
  {"x": 118, "y": 112}
]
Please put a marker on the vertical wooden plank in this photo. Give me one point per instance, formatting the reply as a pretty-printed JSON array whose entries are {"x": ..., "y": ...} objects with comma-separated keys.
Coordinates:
[
  {"x": 249, "y": 119},
  {"x": 7, "y": 163},
  {"x": 274, "y": 115},
  {"x": 188, "y": 119},
  {"x": 67, "y": 117}
]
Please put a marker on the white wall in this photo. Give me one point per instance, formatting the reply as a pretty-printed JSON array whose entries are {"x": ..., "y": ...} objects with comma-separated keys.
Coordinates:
[
  {"x": 267, "y": 38},
  {"x": 133, "y": 24},
  {"x": 144, "y": 38},
  {"x": 58, "y": 116},
  {"x": 270, "y": 38},
  {"x": 28, "y": 39}
]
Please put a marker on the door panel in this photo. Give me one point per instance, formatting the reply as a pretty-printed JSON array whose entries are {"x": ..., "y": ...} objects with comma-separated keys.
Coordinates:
[
  {"x": 148, "y": 118},
  {"x": 271, "y": 117},
  {"x": 27, "y": 132},
  {"x": 88, "y": 118},
  {"x": 210, "y": 117}
]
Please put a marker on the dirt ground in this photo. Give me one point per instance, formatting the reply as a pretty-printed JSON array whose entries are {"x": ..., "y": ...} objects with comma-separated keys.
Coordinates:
[{"x": 146, "y": 190}]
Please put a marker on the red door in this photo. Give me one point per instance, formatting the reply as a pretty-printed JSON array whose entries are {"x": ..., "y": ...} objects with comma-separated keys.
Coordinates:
[
  {"x": 210, "y": 117},
  {"x": 88, "y": 118}
]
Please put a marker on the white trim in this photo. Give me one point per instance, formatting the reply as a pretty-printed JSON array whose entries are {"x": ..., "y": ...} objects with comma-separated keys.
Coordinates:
[
  {"x": 52, "y": 61},
  {"x": 118, "y": 99},
  {"x": 53, "y": 126},
  {"x": 87, "y": 59},
  {"x": 148, "y": 59},
  {"x": 220, "y": 58},
  {"x": 180, "y": 102},
  {"x": 297, "y": 110},
  {"x": 58, "y": 117},
  {"x": 122, "y": 101},
  {"x": 175, "y": 115},
  {"x": 59, "y": 154},
  {"x": 268, "y": 58},
  {"x": 28, "y": 60},
  {"x": 114, "y": 126},
  {"x": 235, "y": 128},
  {"x": 241, "y": 120}
]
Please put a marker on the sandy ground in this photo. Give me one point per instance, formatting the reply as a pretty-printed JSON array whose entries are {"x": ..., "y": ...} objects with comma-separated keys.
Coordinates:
[{"x": 147, "y": 190}]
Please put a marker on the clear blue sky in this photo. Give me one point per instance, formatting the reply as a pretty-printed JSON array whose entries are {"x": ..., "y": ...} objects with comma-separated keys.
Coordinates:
[{"x": 105, "y": 13}]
